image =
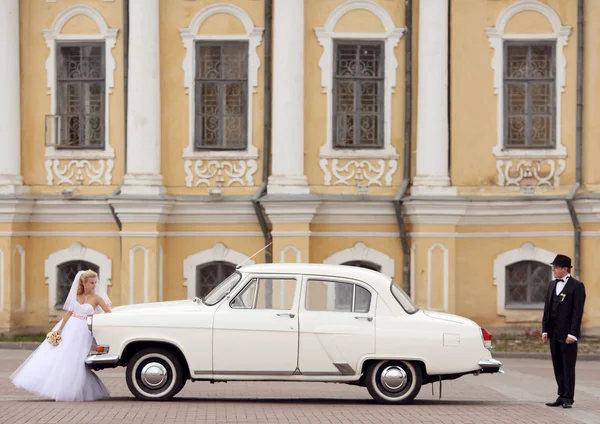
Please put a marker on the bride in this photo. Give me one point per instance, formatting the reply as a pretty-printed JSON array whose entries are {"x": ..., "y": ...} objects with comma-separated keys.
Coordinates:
[{"x": 59, "y": 372}]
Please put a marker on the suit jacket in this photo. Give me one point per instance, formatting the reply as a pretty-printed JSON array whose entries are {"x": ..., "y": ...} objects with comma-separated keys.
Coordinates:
[{"x": 569, "y": 312}]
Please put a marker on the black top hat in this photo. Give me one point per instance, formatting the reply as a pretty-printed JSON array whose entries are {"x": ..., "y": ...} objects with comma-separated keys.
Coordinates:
[{"x": 562, "y": 261}]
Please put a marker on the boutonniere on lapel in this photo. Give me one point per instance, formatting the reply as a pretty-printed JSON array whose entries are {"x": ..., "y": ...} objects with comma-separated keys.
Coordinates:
[{"x": 562, "y": 297}]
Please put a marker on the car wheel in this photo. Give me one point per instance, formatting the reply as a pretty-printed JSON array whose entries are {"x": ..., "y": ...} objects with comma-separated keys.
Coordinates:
[
  {"x": 394, "y": 382},
  {"x": 154, "y": 374}
]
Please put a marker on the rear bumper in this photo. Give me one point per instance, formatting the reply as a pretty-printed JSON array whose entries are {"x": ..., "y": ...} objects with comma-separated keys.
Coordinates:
[
  {"x": 98, "y": 362},
  {"x": 489, "y": 366}
]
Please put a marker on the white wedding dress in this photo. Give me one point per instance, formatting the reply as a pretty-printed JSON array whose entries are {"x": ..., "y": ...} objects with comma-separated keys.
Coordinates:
[{"x": 59, "y": 372}]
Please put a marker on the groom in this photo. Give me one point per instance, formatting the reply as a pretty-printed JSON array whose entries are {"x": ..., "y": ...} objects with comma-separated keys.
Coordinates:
[{"x": 561, "y": 325}]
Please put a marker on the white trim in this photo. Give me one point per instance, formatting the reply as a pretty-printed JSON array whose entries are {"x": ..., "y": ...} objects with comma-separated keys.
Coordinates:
[
  {"x": 446, "y": 274},
  {"x": 293, "y": 249},
  {"x": 75, "y": 252},
  {"x": 189, "y": 35},
  {"x": 132, "y": 270},
  {"x": 527, "y": 252},
  {"x": 291, "y": 233},
  {"x": 413, "y": 259},
  {"x": 219, "y": 252},
  {"x": 391, "y": 36},
  {"x": 360, "y": 252},
  {"x": 1, "y": 280},
  {"x": 160, "y": 273},
  {"x": 497, "y": 36},
  {"x": 20, "y": 284},
  {"x": 109, "y": 36}
]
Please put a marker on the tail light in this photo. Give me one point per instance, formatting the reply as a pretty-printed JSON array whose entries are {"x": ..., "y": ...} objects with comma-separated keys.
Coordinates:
[{"x": 487, "y": 338}]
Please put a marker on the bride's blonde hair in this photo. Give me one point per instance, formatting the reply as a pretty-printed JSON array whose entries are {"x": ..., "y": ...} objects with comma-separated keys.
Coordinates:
[{"x": 85, "y": 275}]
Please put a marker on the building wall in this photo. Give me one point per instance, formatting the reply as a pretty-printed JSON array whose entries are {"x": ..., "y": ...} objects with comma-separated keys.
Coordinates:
[{"x": 148, "y": 227}]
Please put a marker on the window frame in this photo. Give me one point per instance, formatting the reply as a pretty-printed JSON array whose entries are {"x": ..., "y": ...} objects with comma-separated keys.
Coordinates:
[
  {"x": 197, "y": 116},
  {"x": 380, "y": 98},
  {"x": 258, "y": 279},
  {"x": 529, "y": 82},
  {"x": 60, "y": 101},
  {"x": 509, "y": 304},
  {"x": 58, "y": 305},
  {"x": 199, "y": 267},
  {"x": 326, "y": 279}
]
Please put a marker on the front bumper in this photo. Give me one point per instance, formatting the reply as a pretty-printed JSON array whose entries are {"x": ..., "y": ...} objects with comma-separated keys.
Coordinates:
[
  {"x": 98, "y": 362},
  {"x": 489, "y": 366}
]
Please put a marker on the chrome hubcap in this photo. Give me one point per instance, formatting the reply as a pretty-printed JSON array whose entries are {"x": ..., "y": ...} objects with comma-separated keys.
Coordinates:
[
  {"x": 394, "y": 378},
  {"x": 154, "y": 375}
]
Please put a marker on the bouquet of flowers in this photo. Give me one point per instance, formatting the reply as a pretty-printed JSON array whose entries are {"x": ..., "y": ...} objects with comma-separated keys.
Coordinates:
[{"x": 53, "y": 338}]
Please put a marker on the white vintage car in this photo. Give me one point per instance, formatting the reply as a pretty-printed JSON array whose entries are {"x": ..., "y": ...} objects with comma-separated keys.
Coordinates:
[{"x": 291, "y": 322}]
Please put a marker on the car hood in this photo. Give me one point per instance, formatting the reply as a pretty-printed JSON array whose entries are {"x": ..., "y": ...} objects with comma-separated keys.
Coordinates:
[
  {"x": 176, "y": 305},
  {"x": 449, "y": 317}
]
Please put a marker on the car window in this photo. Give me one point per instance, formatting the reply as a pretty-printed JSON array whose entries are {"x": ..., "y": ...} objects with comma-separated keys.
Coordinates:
[
  {"x": 336, "y": 296},
  {"x": 403, "y": 299},
  {"x": 218, "y": 293},
  {"x": 267, "y": 293}
]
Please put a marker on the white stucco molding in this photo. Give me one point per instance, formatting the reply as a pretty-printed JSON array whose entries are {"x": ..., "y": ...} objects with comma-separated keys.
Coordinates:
[
  {"x": 146, "y": 277},
  {"x": 497, "y": 35},
  {"x": 219, "y": 252},
  {"x": 189, "y": 36},
  {"x": 445, "y": 273},
  {"x": 19, "y": 284},
  {"x": 293, "y": 249},
  {"x": 391, "y": 36},
  {"x": 527, "y": 252},
  {"x": 75, "y": 252},
  {"x": 109, "y": 36},
  {"x": 360, "y": 252}
]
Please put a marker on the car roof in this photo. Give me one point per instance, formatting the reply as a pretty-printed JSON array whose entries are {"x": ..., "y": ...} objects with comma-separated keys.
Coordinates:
[{"x": 344, "y": 271}]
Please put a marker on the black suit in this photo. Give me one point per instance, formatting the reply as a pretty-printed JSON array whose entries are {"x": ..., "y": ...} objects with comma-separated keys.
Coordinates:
[{"x": 562, "y": 317}]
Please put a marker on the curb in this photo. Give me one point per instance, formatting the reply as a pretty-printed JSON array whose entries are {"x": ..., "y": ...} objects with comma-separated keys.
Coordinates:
[
  {"x": 19, "y": 345},
  {"x": 536, "y": 355}
]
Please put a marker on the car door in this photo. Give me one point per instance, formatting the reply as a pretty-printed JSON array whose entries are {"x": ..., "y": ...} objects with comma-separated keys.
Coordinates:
[
  {"x": 337, "y": 325},
  {"x": 256, "y": 330}
]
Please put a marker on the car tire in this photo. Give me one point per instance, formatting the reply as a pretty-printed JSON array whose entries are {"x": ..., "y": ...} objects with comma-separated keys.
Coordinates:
[
  {"x": 394, "y": 382},
  {"x": 154, "y": 374}
]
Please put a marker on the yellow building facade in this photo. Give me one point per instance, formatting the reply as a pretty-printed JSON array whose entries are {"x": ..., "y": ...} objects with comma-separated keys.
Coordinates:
[{"x": 162, "y": 142}]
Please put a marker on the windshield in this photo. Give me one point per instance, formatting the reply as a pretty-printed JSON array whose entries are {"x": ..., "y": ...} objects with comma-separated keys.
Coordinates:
[
  {"x": 218, "y": 293},
  {"x": 403, "y": 299}
]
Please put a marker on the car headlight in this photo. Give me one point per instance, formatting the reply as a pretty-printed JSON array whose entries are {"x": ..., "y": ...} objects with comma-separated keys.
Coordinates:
[{"x": 89, "y": 322}]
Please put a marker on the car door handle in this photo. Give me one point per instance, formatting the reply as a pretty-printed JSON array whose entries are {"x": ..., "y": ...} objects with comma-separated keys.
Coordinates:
[
  {"x": 367, "y": 318},
  {"x": 286, "y": 315}
]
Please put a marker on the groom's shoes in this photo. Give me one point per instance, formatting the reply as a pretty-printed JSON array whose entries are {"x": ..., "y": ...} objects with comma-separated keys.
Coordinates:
[
  {"x": 567, "y": 404},
  {"x": 557, "y": 402}
]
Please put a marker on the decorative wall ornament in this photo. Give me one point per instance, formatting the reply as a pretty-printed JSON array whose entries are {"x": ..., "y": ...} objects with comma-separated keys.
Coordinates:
[
  {"x": 543, "y": 172},
  {"x": 497, "y": 35},
  {"x": 79, "y": 172},
  {"x": 222, "y": 173},
  {"x": 358, "y": 171}
]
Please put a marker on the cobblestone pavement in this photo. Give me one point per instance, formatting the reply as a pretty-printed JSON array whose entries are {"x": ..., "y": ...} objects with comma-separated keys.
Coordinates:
[{"x": 515, "y": 397}]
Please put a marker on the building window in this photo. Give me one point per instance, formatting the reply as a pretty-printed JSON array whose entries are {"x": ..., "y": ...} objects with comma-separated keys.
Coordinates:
[
  {"x": 358, "y": 92},
  {"x": 81, "y": 83},
  {"x": 530, "y": 96},
  {"x": 527, "y": 283},
  {"x": 221, "y": 96},
  {"x": 209, "y": 275},
  {"x": 65, "y": 273}
]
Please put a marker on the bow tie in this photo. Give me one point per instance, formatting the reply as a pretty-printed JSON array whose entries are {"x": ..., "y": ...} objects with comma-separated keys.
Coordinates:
[{"x": 564, "y": 280}]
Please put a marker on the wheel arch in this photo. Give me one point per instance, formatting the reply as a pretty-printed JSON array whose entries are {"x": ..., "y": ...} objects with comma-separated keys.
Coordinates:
[{"x": 134, "y": 346}]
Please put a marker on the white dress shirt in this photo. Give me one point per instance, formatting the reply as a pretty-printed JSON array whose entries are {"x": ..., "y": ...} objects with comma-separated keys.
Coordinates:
[{"x": 560, "y": 285}]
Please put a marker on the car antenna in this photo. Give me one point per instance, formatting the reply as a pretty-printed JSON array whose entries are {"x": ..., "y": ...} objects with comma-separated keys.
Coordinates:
[{"x": 242, "y": 263}]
